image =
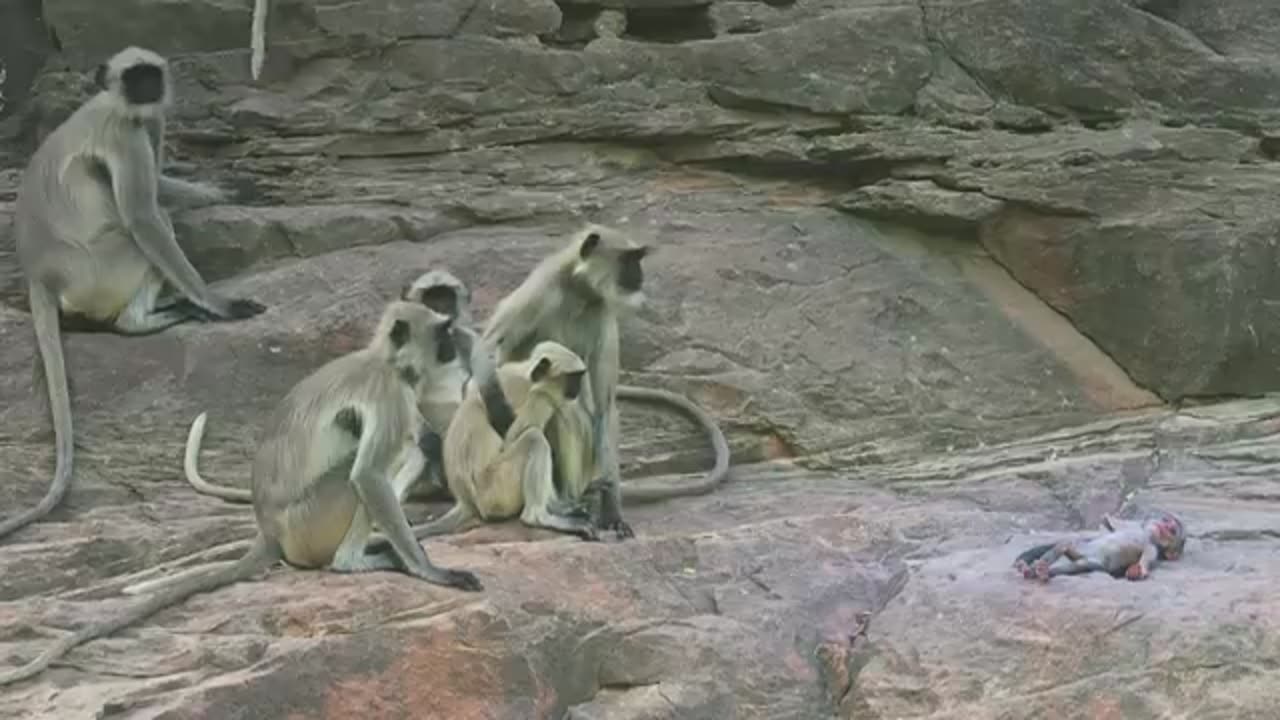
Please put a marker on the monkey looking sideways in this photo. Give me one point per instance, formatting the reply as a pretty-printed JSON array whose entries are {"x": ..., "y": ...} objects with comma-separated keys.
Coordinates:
[
  {"x": 573, "y": 298},
  {"x": 338, "y": 453},
  {"x": 93, "y": 242},
  {"x": 495, "y": 477},
  {"x": 439, "y": 394},
  {"x": 1128, "y": 549}
]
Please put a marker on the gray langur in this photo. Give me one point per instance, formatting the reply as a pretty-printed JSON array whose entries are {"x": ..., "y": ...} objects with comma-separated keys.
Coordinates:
[
  {"x": 573, "y": 297},
  {"x": 93, "y": 242},
  {"x": 442, "y": 291},
  {"x": 439, "y": 395},
  {"x": 495, "y": 477},
  {"x": 337, "y": 456}
]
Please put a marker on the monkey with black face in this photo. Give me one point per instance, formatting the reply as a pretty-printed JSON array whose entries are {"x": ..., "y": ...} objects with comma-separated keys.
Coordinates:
[
  {"x": 439, "y": 395},
  {"x": 495, "y": 477},
  {"x": 338, "y": 455},
  {"x": 1128, "y": 549},
  {"x": 573, "y": 297},
  {"x": 93, "y": 242}
]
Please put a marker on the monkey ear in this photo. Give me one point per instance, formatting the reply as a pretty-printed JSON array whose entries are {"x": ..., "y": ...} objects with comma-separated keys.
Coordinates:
[
  {"x": 540, "y": 370},
  {"x": 100, "y": 76},
  {"x": 399, "y": 333},
  {"x": 589, "y": 244}
]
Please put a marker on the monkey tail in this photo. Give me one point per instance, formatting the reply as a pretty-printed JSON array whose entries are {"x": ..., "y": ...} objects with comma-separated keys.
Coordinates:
[
  {"x": 633, "y": 492},
  {"x": 263, "y": 553},
  {"x": 44, "y": 316},
  {"x": 258, "y": 38},
  {"x": 194, "y": 437}
]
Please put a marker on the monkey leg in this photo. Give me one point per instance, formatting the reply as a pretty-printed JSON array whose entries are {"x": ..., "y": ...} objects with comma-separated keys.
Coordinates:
[
  {"x": 140, "y": 316},
  {"x": 529, "y": 458},
  {"x": 1027, "y": 559},
  {"x": 378, "y": 498},
  {"x": 605, "y": 427},
  {"x": 351, "y": 556},
  {"x": 1046, "y": 561}
]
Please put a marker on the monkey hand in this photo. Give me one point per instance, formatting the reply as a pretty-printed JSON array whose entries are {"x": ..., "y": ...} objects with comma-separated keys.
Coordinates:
[
  {"x": 238, "y": 309},
  {"x": 462, "y": 580},
  {"x": 1136, "y": 572},
  {"x": 432, "y": 447}
]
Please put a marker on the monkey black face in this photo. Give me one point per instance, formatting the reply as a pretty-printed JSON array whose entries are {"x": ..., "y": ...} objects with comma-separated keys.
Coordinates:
[
  {"x": 630, "y": 274},
  {"x": 446, "y": 348},
  {"x": 142, "y": 84},
  {"x": 573, "y": 385},
  {"x": 441, "y": 298}
]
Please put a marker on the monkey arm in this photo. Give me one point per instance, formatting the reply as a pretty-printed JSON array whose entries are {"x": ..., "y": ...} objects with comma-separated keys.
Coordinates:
[
  {"x": 1140, "y": 569},
  {"x": 134, "y": 181},
  {"x": 603, "y": 383}
]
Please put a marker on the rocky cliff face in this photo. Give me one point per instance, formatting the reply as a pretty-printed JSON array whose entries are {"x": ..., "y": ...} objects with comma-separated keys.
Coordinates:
[{"x": 943, "y": 269}]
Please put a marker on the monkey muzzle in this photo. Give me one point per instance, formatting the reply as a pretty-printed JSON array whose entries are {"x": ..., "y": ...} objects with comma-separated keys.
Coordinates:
[{"x": 573, "y": 385}]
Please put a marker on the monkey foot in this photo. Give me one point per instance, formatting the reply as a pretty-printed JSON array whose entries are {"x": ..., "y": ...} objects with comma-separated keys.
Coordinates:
[
  {"x": 1042, "y": 571},
  {"x": 619, "y": 527},
  {"x": 462, "y": 580}
]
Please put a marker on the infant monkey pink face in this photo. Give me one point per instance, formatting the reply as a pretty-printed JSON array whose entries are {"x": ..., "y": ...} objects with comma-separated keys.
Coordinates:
[{"x": 1167, "y": 532}]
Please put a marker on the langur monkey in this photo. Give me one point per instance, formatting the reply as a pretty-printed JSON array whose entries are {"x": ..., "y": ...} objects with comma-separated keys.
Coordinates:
[
  {"x": 439, "y": 395},
  {"x": 93, "y": 242},
  {"x": 573, "y": 297},
  {"x": 495, "y": 477},
  {"x": 1127, "y": 549},
  {"x": 339, "y": 452}
]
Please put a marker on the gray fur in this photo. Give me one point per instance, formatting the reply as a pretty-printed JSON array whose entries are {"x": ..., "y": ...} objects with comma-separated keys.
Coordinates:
[
  {"x": 494, "y": 477},
  {"x": 94, "y": 242},
  {"x": 317, "y": 487}
]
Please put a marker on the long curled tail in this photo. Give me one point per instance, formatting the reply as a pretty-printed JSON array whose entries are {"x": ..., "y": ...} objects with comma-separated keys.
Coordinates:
[
  {"x": 641, "y": 491},
  {"x": 44, "y": 315},
  {"x": 262, "y": 555},
  {"x": 194, "y": 436}
]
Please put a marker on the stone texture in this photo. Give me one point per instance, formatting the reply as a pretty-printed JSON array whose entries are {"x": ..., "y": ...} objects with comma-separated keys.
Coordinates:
[{"x": 935, "y": 265}]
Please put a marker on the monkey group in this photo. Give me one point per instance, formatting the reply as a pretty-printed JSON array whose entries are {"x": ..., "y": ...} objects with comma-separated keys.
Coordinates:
[
  {"x": 518, "y": 418},
  {"x": 514, "y": 421}
]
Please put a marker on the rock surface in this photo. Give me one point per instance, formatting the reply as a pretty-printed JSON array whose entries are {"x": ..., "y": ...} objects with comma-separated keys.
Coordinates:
[{"x": 951, "y": 274}]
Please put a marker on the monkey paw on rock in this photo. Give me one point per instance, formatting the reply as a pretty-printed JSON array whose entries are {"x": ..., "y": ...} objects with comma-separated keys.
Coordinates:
[{"x": 1136, "y": 572}]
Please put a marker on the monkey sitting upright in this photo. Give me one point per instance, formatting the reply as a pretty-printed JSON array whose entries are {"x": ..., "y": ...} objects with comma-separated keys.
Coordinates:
[
  {"x": 1128, "y": 549},
  {"x": 573, "y": 297},
  {"x": 439, "y": 394},
  {"x": 337, "y": 456},
  {"x": 93, "y": 242},
  {"x": 495, "y": 477}
]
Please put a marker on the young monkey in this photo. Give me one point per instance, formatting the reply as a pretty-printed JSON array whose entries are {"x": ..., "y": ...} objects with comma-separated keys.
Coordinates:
[{"x": 1128, "y": 549}]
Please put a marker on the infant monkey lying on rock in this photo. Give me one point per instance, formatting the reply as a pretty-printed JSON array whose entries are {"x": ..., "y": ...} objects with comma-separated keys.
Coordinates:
[{"x": 1128, "y": 549}]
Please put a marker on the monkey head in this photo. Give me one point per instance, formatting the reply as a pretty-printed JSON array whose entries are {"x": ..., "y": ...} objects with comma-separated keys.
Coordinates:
[
  {"x": 443, "y": 292},
  {"x": 555, "y": 366},
  {"x": 1168, "y": 534},
  {"x": 415, "y": 336},
  {"x": 606, "y": 264},
  {"x": 138, "y": 79}
]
